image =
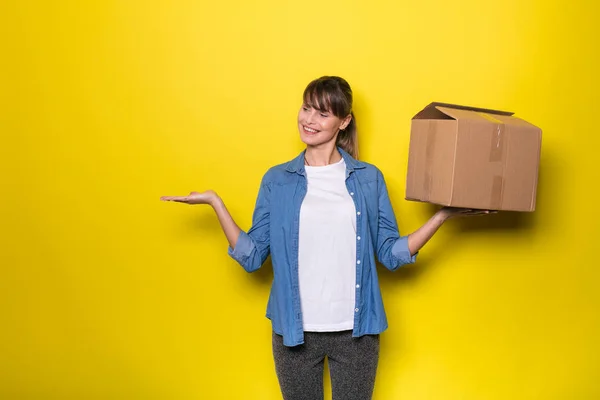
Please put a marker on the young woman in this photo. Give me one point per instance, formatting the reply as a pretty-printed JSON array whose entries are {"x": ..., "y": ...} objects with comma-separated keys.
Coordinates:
[{"x": 324, "y": 217}]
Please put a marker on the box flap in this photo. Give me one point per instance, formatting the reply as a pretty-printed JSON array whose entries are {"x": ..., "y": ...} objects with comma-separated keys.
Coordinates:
[
  {"x": 479, "y": 116},
  {"x": 434, "y": 111}
]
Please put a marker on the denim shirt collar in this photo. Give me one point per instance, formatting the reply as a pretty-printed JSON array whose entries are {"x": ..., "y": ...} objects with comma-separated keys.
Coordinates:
[{"x": 297, "y": 164}]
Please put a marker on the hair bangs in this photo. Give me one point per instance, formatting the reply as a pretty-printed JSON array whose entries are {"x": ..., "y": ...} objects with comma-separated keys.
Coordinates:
[
  {"x": 316, "y": 97},
  {"x": 324, "y": 96}
]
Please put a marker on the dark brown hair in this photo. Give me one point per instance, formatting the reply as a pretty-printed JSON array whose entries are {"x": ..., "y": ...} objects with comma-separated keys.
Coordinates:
[{"x": 333, "y": 94}]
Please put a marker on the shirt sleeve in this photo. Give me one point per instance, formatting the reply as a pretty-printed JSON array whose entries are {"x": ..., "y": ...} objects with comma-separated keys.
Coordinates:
[
  {"x": 392, "y": 249},
  {"x": 253, "y": 247}
]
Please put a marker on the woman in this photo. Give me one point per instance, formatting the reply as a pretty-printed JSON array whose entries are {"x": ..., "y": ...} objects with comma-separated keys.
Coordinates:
[{"x": 323, "y": 217}]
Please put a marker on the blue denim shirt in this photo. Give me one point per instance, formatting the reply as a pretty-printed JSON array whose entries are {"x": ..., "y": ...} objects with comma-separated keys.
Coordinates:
[{"x": 275, "y": 230}]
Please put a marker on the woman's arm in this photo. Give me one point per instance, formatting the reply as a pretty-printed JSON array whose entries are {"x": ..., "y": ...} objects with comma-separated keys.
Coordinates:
[
  {"x": 394, "y": 250},
  {"x": 250, "y": 249},
  {"x": 418, "y": 238},
  {"x": 230, "y": 228},
  {"x": 421, "y": 236}
]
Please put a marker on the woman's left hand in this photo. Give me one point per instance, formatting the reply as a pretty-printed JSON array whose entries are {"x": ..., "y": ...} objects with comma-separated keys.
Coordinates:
[{"x": 451, "y": 212}]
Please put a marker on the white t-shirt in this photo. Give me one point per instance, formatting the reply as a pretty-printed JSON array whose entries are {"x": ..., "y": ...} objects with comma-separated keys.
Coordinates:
[{"x": 327, "y": 251}]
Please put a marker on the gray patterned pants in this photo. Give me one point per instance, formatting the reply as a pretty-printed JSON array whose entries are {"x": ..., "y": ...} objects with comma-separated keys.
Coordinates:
[{"x": 352, "y": 363}]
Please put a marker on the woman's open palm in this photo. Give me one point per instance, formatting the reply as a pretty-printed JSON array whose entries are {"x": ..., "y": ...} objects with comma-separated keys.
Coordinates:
[{"x": 206, "y": 197}]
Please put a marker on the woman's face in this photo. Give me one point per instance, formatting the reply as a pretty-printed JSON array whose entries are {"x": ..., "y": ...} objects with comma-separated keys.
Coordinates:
[{"x": 318, "y": 127}]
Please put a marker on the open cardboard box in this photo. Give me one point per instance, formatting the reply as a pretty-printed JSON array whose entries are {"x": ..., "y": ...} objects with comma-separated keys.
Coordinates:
[{"x": 474, "y": 158}]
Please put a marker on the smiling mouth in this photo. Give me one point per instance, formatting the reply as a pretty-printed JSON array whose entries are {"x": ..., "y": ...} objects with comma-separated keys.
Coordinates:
[{"x": 309, "y": 130}]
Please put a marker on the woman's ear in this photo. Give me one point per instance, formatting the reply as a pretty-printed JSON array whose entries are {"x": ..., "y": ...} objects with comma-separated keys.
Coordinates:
[{"x": 346, "y": 122}]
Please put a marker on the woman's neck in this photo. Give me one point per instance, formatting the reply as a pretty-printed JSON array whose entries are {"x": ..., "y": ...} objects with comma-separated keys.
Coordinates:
[{"x": 314, "y": 157}]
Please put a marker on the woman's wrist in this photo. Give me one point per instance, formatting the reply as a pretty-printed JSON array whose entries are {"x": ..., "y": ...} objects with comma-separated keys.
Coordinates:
[
  {"x": 441, "y": 216},
  {"x": 216, "y": 201}
]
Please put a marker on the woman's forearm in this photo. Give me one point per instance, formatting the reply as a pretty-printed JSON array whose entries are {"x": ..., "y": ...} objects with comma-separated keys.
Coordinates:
[
  {"x": 230, "y": 228},
  {"x": 421, "y": 236}
]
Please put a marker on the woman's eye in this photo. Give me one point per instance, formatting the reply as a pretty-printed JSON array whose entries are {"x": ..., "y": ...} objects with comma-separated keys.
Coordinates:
[{"x": 324, "y": 115}]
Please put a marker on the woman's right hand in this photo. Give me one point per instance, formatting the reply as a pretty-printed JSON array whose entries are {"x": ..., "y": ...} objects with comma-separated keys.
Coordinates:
[
  {"x": 207, "y": 197},
  {"x": 230, "y": 228}
]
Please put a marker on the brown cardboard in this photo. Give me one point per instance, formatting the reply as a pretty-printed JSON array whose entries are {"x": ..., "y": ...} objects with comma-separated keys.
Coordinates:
[{"x": 474, "y": 158}]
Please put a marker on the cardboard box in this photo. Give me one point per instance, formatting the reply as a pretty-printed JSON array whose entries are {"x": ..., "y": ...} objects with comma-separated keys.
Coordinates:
[{"x": 472, "y": 157}]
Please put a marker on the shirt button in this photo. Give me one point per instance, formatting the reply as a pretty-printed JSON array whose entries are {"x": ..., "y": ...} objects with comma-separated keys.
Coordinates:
[
  {"x": 358, "y": 238},
  {"x": 356, "y": 310},
  {"x": 351, "y": 193},
  {"x": 357, "y": 286},
  {"x": 358, "y": 213},
  {"x": 358, "y": 261}
]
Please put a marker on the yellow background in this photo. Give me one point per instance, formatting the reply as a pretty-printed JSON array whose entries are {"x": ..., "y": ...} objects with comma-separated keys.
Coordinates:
[{"x": 108, "y": 293}]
